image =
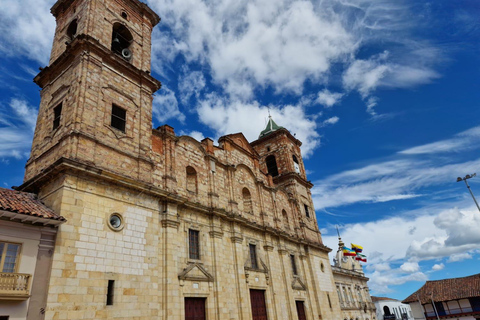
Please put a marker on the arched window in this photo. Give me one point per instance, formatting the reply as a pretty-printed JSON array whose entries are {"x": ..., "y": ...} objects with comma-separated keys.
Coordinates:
[
  {"x": 191, "y": 179},
  {"x": 121, "y": 41},
  {"x": 296, "y": 164},
  {"x": 247, "y": 201},
  {"x": 272, "y": 165},
  {"x": 72, "y": 29},
  {"x": 386, "y": 311},
  {"x": 285, "y": 219}
]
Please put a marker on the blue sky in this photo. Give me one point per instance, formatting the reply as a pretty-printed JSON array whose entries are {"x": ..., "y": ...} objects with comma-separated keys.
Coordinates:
[{"x": 384, "y": 94}]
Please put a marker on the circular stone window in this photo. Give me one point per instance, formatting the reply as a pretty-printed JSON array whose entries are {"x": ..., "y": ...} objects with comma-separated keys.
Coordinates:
[{"x": 115, "y": 222}]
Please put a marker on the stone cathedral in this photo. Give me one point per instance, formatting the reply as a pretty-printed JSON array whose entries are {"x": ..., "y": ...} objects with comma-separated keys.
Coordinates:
[{"x": 161, "y": 226}]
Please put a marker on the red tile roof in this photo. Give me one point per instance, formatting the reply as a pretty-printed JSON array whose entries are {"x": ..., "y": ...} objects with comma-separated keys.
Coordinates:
[
  {"x": 447, "y": 289},
  {"x": 375, "y": 299},
  {"x": 26, "y": 204}
]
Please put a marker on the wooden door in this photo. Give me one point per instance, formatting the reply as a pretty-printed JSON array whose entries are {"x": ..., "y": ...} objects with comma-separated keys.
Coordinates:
[
  {"x": 301, "y": 310},
  {"x": 259, "y": 309},
  {"x": 194, "y": 309}
]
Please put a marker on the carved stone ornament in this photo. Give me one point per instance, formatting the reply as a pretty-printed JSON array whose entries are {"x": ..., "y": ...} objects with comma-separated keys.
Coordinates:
[
  {"x": 298, "y": 284},
  {"x": 195, "y": 272}
]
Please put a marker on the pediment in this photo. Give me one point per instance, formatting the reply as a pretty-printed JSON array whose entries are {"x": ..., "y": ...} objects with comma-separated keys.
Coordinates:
[
  {"x": 298, "y": 284},
  {"x": 195, "y": 272},
  {"x": 240, "y": 141},
  {"x": 262, "y": 267}
]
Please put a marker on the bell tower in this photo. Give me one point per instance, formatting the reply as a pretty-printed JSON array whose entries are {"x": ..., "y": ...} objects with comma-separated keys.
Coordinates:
[
  {"x": 96, "y": 97},
  {"x": 280, "y": 157}
]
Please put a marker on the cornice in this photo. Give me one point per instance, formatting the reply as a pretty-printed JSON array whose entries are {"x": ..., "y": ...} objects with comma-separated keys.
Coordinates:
[
  {"x": 85, "y": 43},
  {"x": 62, "y": 5}
]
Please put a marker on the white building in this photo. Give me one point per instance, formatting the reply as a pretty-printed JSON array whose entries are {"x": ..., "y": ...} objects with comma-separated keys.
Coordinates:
[
  {"x": 351, "y": 286},
  {"x": 27, "y": 238},
  {"x": 391, "y": 309}
]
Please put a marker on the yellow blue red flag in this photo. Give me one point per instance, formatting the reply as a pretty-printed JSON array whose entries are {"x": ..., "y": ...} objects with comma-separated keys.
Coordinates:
[{"x": 357, "y": 248}]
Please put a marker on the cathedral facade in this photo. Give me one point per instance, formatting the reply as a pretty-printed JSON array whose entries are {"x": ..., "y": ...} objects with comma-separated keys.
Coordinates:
[{"x": 161, "y": 226}]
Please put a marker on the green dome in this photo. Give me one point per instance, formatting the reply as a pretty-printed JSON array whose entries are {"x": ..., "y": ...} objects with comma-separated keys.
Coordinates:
[{"x": 271, "y": 127}]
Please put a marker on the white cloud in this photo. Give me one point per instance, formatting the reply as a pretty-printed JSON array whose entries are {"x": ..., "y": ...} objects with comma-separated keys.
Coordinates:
[
  {"x": 165, "y": 106},
  {"x": 438, "y": 267},
  {"x": 27, "y": 28},
  {"x": 459, "y": 257},
  {"x": 191, "y": 85},
  {"x": 365, "y": 75},
  {"x": 406, "y": 241},
  {"x": 329, "y": 99},
  {"x": 197, "y": 135},
  {"x": 379, "y": 267},
  {"x": 330, "y": 121},
  {"x": 16, "y": 129},
  {"x": 458, "y": 239},
  {"x": 403, "y": 177},
  {"x": 254, "y": 44},
  {"x": 410, "y": 267},
  {"x": 462, "y": 141},
  {"x": 462, "y": 226},
  {"x": 228, "y": 116},
  {"x": 381, "y": 282}
]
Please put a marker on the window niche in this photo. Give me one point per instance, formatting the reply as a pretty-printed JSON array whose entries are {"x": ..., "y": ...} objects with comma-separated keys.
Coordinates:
[
  {"x": 247, "y": 201},
  {"x": 272, "y": 165},
  {"x": 121, "y": 41},
  {"x": 72, "y": 30},
  {"x": 119, "y": 118},
  {"x": 294, "y": 265},
  {"x": 191, "y": 179},
  {"x": 253, "y": 256},
  {"x": 110, "y": 292},
  {"x": 307, "y": 213},
  {"x": 193, "y": 244},
  {"x": 285, "y": 219},
  {"x": 57, "y": 115}
]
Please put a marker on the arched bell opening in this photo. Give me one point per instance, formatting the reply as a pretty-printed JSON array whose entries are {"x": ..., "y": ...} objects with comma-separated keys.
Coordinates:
[
  {"x": 72, "y": 29},
  {"x": 121, "y": 41}
]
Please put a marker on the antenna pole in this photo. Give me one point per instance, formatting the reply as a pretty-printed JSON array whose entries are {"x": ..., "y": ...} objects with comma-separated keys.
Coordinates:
[{"x": 468, "y": 176}]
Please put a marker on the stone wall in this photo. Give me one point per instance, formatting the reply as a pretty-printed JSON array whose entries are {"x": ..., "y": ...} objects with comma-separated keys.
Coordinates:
[{"x": 148, "y": 259}]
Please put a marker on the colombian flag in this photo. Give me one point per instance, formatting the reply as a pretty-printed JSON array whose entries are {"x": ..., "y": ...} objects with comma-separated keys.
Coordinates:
[
  {"x": 357, "y": 248},
  {"x": 348, "y": 252}
]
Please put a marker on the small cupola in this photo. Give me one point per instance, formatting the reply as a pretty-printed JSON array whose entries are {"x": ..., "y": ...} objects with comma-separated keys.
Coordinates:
[{"x": 271, "y": 127}]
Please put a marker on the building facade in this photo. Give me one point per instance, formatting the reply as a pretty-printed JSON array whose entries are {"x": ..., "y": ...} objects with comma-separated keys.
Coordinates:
[
  {"x": 391, "y": 309},
  {"x": 27, "y": 238},
  {"x": 454, "y": 298},
  {"x": 351, "y": 286},
  {"x": 162, "y": 226}
]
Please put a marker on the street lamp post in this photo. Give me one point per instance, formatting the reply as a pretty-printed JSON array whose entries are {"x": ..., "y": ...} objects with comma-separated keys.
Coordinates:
[{"x": 468, "y": 176}]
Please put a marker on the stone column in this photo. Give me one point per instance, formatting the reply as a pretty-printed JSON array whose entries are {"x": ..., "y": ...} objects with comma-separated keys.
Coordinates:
[
  {"x": 283, "y": 253},
  {"x": 242, "y": 294},
  {"x": 171, "y": 302},
  {"x": 41, "y": 278},
  {"x": 216, "y": 238}
]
